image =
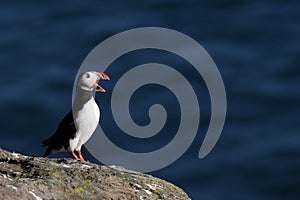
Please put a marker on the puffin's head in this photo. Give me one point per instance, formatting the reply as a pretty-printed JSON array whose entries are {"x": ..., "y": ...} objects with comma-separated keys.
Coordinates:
[{"x": 89, "y": 81}]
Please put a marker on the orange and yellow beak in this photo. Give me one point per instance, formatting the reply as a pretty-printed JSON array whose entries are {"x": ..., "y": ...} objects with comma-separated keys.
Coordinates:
[{"x": 103, "y": 76}]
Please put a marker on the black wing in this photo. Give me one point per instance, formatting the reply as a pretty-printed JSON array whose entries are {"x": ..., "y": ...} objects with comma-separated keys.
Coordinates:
[{"x": 65, "y": 131}]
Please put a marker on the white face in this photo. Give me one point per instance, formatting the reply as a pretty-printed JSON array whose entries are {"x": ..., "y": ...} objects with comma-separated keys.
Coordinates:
[{"x": 89, "y": 80}]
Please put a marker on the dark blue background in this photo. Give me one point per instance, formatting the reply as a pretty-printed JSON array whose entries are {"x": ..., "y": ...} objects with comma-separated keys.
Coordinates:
[{"x": 255, "y": 45}]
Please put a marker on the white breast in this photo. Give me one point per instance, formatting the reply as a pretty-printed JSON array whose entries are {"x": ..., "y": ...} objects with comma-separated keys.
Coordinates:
[{"x": 86, "y": 123}]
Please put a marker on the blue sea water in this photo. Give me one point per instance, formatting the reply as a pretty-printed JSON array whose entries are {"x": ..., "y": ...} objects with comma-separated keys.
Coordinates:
[{"x": 255, "y": 45}]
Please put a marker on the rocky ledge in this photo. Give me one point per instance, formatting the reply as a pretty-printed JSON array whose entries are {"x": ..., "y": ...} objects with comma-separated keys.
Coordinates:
[{"x": 24, "y": 177}]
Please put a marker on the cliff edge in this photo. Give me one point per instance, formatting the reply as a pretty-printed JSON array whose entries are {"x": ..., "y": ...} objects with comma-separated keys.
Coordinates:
[{"x": 25, "y": 177}]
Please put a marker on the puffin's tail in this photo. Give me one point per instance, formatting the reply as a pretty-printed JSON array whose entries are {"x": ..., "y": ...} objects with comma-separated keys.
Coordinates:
[
  {"x": 48, "y": 142},
  {"x": 47, "y": 152}
]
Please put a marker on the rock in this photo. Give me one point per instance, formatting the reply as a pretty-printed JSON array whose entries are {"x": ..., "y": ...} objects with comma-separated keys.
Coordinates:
[{"x": 24, "y": 177}]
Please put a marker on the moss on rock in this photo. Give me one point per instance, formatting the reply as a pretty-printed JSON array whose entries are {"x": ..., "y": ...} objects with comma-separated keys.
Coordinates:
[{"x": 41, "y": 178}]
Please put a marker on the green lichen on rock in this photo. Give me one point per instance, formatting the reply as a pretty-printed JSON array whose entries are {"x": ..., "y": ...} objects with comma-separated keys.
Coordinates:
[{"x": 24, "y": 177}]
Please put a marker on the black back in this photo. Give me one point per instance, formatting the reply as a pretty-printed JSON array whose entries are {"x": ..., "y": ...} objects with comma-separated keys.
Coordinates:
[{"x": 65, "y": 131}]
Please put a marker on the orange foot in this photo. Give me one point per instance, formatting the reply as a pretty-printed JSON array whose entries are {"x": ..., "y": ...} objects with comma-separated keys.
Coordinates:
[{"x": 79, "y": 157}]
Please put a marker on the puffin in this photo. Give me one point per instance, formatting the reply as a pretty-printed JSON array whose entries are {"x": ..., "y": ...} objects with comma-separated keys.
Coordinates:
[{"x": 81, "y": 121}]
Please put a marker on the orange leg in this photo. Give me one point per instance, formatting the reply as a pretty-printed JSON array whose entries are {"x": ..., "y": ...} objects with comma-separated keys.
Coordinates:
[
  {"x": 80, "y": 156},
  {"x": 74, "y": 155}
]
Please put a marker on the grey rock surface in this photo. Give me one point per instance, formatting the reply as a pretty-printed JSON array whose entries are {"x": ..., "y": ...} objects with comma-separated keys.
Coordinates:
[{"x": 25, "y": 177}]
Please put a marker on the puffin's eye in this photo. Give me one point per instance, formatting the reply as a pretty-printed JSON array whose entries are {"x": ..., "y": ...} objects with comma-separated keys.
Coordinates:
[{"x": 88, "y": 75}]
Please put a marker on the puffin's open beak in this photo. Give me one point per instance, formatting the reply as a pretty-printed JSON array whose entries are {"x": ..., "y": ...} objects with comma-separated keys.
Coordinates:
[
  {"x": 103, "y": 76},
  {"x": 98, "y": 88}
]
